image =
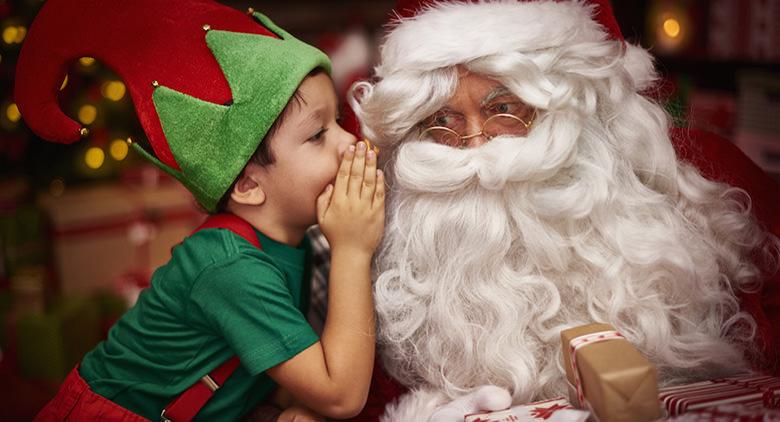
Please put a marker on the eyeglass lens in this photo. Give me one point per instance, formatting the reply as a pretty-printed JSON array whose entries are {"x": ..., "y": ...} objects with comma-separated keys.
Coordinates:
[{"x": 496, "y": 125}]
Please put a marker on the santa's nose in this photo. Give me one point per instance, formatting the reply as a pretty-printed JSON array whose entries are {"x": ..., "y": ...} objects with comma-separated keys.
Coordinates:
[
  {"x": 476, "y": 141},
  {"x": 475, "y": 138}
]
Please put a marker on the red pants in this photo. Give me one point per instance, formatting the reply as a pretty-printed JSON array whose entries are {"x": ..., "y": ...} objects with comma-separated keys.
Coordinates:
[{"x": 77, "y": 402}]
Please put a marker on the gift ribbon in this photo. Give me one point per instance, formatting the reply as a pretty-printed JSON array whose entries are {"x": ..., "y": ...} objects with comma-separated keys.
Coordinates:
[{"x": 578, "y": 343}]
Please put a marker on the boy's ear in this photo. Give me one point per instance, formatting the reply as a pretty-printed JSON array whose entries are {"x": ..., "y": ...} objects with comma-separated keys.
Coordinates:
[{"x": 247, "y": 190}]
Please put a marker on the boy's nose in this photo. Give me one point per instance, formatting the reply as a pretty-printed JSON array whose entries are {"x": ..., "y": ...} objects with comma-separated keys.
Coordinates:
[{"x": 345, "y": 140}]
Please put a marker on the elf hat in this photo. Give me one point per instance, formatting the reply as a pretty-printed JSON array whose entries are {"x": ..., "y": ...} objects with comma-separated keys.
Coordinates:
[
  {"x": 431, "y": 34},
  {"x": 207, "y": 81}
]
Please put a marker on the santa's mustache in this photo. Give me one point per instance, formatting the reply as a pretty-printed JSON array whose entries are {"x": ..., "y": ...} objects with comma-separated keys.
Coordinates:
[{"x": 424, "y": 166}]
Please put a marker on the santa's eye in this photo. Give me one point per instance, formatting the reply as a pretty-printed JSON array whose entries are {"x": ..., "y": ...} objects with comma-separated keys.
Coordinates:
[
  {"x": 506, "y": 107},
  {"x": 443, "y": 120}
]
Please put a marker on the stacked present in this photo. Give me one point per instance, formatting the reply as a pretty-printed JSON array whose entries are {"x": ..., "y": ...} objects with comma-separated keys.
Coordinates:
[
  {"x": 44, "y": 344},
  {"x": 51, "y": 343},
  {"x": 728, "y": 413},
  {"x": 749, "y": 391},
  {"x": 5, "y": 309},
  {"x": 553, "y": 410},
  {"x": 24, "y": 297},
  {"x": 22, "y": 231},
  {"x": 101, "y": 234},
  {"x": 615, "y": 382},
  {"x": 43, "y": 339},
  {"x": 608, "y": 375}
]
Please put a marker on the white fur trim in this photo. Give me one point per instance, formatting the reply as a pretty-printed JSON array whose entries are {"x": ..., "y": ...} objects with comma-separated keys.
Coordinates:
[
  {"x": 487, "y": 398},
  {"x": 639, "y": 64},
  {"x": 416, "y": 406},
  {"x": 451, "y": 33}
]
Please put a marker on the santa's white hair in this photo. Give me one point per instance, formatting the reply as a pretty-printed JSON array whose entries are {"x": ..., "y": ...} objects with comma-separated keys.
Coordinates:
[{"x": 490, "y": 252}]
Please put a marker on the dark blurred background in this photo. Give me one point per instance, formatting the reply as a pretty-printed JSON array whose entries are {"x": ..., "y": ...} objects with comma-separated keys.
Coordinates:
[{"x": 83, "y": 225}]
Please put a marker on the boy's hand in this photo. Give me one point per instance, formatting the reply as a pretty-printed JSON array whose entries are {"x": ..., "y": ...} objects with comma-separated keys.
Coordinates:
[{"x": 351, "y": 214}]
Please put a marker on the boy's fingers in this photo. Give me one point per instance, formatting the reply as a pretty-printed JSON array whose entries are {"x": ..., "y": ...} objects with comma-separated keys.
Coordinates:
[
  {"x": 323, "y": 202},
  {"x": 356, "y": 175},
  {"x": 342, "y": 177},
  {"x": 379, "y": 192},
  {"x": 369, "y": 176}
]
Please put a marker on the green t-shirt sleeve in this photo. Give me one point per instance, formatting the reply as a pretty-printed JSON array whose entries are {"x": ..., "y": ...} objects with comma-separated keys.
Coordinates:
[{"x": 247, "y": 301}]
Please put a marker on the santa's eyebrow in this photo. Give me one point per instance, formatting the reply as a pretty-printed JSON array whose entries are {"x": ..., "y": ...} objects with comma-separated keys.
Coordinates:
[{"x": 499, "y": 91}]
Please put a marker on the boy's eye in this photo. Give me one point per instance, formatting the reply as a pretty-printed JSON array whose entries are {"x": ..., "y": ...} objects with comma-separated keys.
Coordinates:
[{"x": 318, "y": 136}]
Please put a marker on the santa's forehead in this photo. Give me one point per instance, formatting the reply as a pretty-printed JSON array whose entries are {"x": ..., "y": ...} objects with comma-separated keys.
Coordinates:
[{"x": 448, "y": 34}]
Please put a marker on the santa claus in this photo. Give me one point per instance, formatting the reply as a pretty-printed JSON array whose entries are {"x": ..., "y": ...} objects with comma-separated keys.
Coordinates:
[{"x": 536, "y": 186}]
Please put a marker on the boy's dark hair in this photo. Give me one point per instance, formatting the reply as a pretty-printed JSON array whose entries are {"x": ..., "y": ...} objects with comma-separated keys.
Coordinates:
[{"x": 263, "y": 155}]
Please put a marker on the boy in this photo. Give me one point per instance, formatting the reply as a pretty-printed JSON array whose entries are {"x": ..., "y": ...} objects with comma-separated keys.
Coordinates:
[{"x": 240, "y": 291}]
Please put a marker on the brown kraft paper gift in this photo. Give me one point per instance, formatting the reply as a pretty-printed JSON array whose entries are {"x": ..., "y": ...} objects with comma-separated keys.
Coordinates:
[{"x": 617, "y": 382}]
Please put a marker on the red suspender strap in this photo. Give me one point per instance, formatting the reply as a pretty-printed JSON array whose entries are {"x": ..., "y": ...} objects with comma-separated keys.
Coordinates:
[
  {"x": 189, "y": 403},
  {"x": 233, "y": 223}
]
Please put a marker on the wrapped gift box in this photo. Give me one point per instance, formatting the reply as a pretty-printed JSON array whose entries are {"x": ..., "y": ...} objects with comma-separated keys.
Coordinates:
[
  {"x": 609, "y": 375},
  {"x": 748, "y": 391},
  {"x": 22, "y": 232},
  {"x": 50, "y": 344},
  {"x": 100, "y": 233},
  {"x": 22, "y": 237},
  {"x": 5, "y": 310},
  {"x": 728, "y": 413},
  {"x": 553, "y": 410}
]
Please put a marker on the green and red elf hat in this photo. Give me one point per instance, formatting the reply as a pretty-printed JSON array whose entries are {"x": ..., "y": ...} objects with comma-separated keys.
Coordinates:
[{"x": 207, "y": 81}]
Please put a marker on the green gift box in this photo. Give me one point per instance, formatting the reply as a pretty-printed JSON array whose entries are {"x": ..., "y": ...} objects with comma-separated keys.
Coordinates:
[
  {"x": 49, "y": 345},
  {"x": 22, "y": 239},
  {"x": 5, "y": 309}
]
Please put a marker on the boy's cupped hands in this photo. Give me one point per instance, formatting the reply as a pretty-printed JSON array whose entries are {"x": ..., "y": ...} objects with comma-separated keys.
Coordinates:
[{"x": 351, "y": 212}]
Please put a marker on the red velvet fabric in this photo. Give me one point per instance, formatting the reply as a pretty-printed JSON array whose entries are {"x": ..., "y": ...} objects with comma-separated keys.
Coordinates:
[{"x": 718, "y": 159}]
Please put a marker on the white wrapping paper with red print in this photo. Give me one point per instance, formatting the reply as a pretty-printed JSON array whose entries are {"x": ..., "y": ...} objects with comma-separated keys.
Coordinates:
[
  {"x": 554, "y": 410},
  {"x": 748, "y": 391}
]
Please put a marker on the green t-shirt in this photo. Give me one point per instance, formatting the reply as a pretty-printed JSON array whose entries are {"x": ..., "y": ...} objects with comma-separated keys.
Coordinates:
[{"x": 217, "y": 297}]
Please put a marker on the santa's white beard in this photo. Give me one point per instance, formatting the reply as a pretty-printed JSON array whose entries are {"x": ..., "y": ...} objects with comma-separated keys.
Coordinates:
[{"x": 490, "y": 252}]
